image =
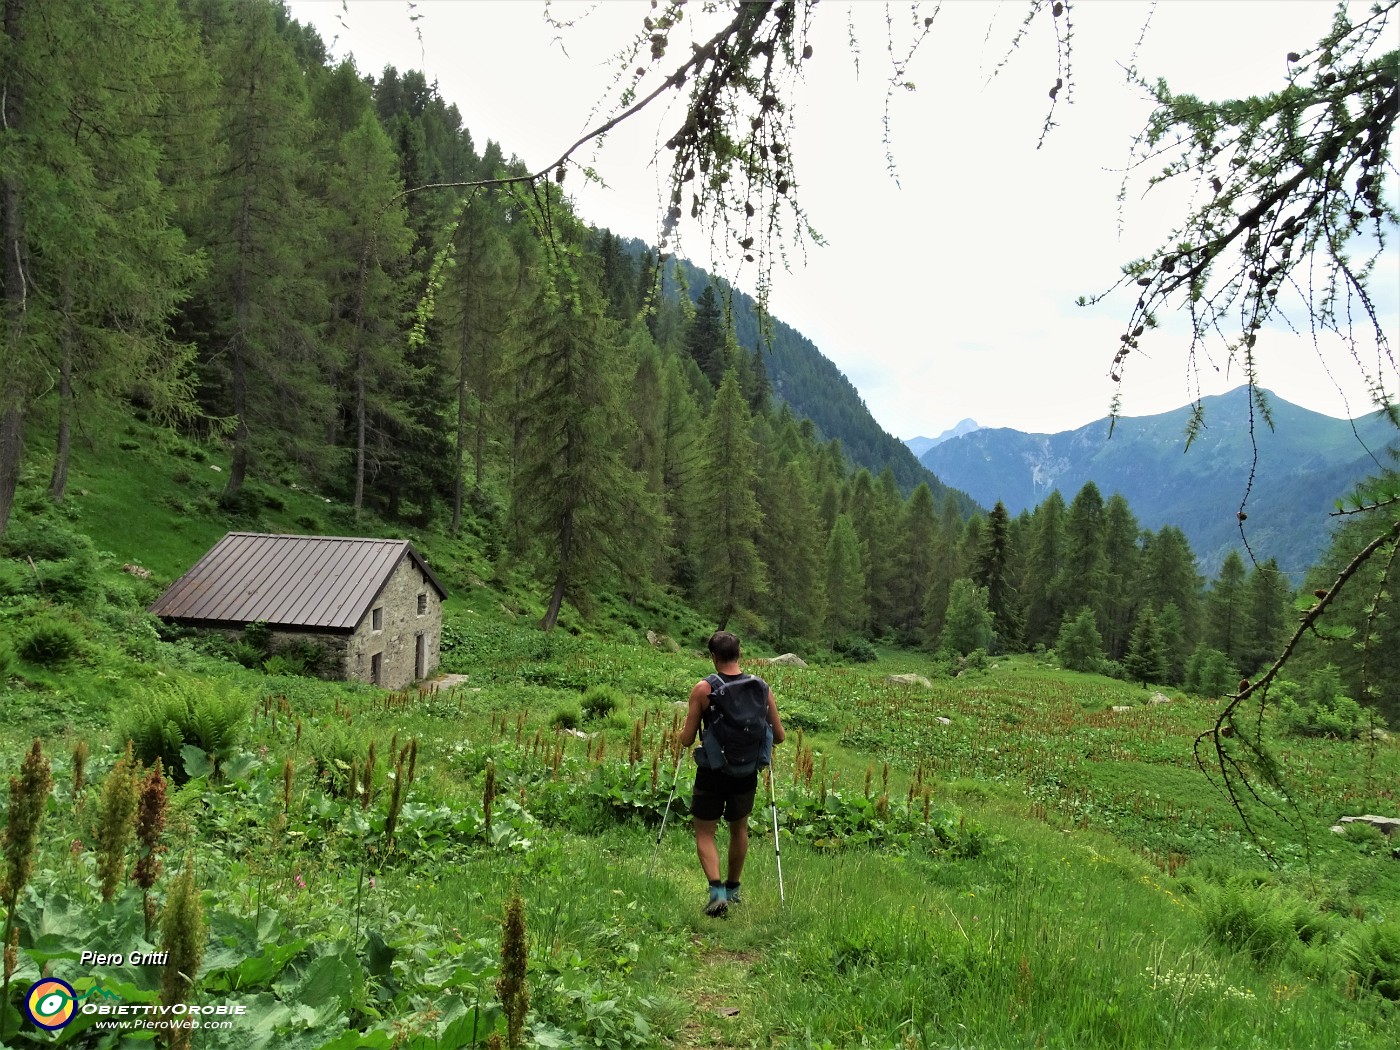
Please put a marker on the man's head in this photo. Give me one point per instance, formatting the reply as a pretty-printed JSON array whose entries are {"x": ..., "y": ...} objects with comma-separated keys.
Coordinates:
[{"x": 724, "y": 647}]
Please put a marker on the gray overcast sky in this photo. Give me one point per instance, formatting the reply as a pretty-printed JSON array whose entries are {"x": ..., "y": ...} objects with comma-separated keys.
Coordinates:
[{"x": 951, "y": 294}]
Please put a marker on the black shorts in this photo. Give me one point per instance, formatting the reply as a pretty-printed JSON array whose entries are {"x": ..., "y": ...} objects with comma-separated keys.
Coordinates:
[{"x": 718, "y": 794}]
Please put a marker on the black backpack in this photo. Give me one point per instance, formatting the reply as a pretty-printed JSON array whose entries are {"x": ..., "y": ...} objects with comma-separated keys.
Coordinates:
[{"x": 738, "y": 739}]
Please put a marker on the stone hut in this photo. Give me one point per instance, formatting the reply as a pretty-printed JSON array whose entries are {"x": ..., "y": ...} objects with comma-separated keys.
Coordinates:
[{"x": 373, "y": 606}]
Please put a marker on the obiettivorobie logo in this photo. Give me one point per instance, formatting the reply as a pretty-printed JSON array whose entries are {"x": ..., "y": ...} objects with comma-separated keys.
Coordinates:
[{"x": 51, "y": 1003}]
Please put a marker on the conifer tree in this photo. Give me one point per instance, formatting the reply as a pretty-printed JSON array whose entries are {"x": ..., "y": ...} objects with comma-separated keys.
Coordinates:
[
  {"x": 1079, "y": 646},
  {"x": 580, "y": 504},
  {"x": 919, "y": 551},
  {"x": 707, "y": 337},
  {"x": 1146, "y": 660},
  {"x": 1084, "y": 573},
  {"x": 1267, "y": 609},
  {"x": 1045, "y": 604},
  {"x": 1168, "y": 576},
  {"x": 92, "y": 262},
  {"x": 1121, "y": 555},
  {"x": 791, "y": 547},
  {"x": 969, "y": 621},
  {"x": 992, "y": 570},
  {"x": 1227, "y": 623},
  {"x": 260, "y": 312},
  {"x": 731, "y": 574},
  {"x": 845, "y": 583}
]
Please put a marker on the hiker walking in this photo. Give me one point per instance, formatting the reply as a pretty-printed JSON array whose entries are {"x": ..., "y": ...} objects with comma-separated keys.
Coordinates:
[{"x": 741, "y": 724}]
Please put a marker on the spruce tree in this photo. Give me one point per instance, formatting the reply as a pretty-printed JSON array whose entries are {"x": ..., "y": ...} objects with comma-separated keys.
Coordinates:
[
  {"x": 1146, "y": 659},
  {"x": 1079, "y": 647},
  {"x": 919, "y": 551},
  {"x": 1227, "y": 624},
  {"x": 576, "y": 499},
  {"x": 1268, "y": 605},
  {"x": 1121, "y": 556},
  {"x": 707, "y": 337},
  {"x": 992, "y": 571},
  {"x": 1167, "y": 576},
  {"x": 791, "y": 547},
  {"x": 1084, "y": 573}
]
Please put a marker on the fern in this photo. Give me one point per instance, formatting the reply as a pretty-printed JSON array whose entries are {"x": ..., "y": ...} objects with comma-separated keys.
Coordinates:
[{"x": 163, "y": 721}]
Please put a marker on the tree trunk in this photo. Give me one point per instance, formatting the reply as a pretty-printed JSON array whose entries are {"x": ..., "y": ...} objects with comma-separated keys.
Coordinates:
[
  {"x": 359, "y": 434},
  {"x": 58, "y": 482},
  {"x": 14, "y": 249},
  {"x": 556, "y": 599},
  {"x": 459, "y": 481},
  {"x": 11, "y": 452}
]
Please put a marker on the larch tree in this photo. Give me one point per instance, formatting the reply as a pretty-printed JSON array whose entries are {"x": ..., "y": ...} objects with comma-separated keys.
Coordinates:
[
  {"x": 1121, "y": 554},
  {"x": 920, "y": 549},
  {"x": 728, "y": 516},
  {"x": 1045, "y": 604},
  {"x": 94, "y": 262},
  {"x": 259, "y": 314},
  {"x": 844, "y": 583}
]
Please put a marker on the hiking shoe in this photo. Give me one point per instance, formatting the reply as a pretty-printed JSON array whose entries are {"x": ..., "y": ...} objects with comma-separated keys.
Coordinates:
[
  {"x": 731, "y": 895},
  {"x": 719, "y": 902}
]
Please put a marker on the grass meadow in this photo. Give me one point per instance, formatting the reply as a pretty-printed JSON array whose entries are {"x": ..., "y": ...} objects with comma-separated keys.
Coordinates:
[{"x": 1013, "y": 857}]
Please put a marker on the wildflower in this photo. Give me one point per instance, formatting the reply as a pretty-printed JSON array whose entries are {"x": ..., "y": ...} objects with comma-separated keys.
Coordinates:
[{"x": 371, "y": 882}]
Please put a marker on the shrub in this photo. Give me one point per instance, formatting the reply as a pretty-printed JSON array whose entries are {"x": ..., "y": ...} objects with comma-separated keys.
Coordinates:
[
  {"x": 258, "y": 635},
  {"x": 856, "y": 650},
  {"x": 250, "y": 656},
  {"x": 599, "y": 701},
  {"x": 50, "y": 642},
  {"x": 7, "y": 662},
  {"x": 1322, "y": 710},
  {"x": 1209, "y": 673},
  {"x": 565, "y": 718},
  {"x": 283, "y": 663},
  {"x": 1079, "y": 646},
  {"x": 309, "y": 522},
  {"x": 162, "y": 721},
  {"x": 15, "y": 578}
]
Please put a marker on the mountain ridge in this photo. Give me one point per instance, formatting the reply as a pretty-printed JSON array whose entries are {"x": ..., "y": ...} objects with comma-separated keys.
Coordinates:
[{"x": 1285, "y": 479}]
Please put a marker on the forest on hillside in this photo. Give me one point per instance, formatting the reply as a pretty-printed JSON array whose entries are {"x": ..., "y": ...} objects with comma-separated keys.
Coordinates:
[{"x": 216, "y": 227}]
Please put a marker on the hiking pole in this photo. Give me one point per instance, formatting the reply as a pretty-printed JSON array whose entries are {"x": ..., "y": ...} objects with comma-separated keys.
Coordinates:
[
  {"x": 674, "y": 776},
  {"x": 777, "y": 852}
]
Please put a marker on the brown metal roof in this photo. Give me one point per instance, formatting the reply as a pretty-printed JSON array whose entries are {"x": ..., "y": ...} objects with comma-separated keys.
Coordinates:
[{"x": 295, "y": 581}]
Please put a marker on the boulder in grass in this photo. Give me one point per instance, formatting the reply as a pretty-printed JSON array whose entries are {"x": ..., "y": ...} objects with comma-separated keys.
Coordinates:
[
  {"x": 788, "y": 660},
  {"x": 1389, "y": 825},
  {"x": 909, "y": 679}
]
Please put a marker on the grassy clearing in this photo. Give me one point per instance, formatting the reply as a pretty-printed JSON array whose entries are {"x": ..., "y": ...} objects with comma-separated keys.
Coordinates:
[{"x": 997, "y": 860}]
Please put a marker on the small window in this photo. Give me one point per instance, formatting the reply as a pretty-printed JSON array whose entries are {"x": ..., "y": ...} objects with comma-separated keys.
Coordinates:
[
  {"x": 376, "y": 668},
  {"x": 422, "y": 604},
  {"x": 376, "y": 620}
]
